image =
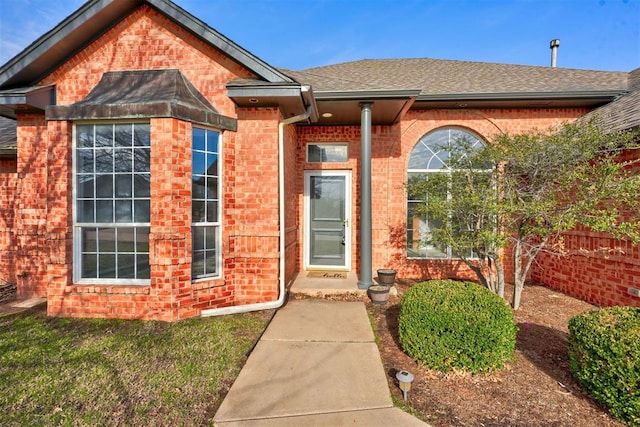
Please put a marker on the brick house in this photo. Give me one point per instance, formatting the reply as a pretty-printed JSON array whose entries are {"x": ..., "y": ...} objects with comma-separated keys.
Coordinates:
[{"x": 152, "y": 168}]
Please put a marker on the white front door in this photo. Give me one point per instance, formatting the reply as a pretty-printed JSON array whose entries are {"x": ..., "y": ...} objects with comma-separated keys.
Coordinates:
[{"x": 327, "y": 206}]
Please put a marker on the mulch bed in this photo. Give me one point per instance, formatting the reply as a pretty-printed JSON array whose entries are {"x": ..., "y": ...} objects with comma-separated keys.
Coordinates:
[{"x": 536, "y": 389}]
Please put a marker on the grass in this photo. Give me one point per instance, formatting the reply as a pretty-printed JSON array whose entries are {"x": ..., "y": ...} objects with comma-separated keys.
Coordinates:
[{"x": 119, "y": 372}]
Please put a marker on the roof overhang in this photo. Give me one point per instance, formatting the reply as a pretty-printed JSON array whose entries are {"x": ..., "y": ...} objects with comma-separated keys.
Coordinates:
[
  {"x": 586, "y": 99},
  {"x": 26, "y": 100},
  {"x": 148, "y": 94},
  {"x": 343, "y": 108},
  {"x": 291, "y": 98},
  {"x": 92, "y": 20}
]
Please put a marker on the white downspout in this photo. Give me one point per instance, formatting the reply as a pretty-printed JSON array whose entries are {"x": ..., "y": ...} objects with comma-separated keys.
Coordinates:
[{"x": 281, "y": 287}]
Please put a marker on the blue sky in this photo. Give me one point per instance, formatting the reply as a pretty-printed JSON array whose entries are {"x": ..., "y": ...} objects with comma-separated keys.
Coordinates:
[{"x": 299, "y": 34}]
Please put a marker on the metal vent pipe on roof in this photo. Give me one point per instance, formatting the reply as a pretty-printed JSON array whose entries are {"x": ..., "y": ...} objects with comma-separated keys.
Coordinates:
[{"x": 554, "y": 45}]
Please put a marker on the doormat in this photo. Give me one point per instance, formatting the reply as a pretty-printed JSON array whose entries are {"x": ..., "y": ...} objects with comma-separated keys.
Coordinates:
[{"x": 327, "y": 274}]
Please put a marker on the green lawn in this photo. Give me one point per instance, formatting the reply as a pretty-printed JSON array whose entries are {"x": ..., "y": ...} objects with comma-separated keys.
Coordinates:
[{"x": 88, "y": 372}]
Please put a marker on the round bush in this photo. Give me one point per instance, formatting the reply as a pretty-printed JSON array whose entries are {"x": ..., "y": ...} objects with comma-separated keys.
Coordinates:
[
  {"x": 604, "y": 356},
  {"x": 446, "y": 324}
]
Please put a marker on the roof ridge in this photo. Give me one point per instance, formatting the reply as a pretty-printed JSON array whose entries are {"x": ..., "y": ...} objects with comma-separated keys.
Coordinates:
[{"x": 458, "y": 61}]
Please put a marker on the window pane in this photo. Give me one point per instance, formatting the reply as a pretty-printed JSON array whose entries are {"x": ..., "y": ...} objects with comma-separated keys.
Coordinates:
[
  {"x": 104, "y": 135},
  {"x": 141, "y": 185},
  {"x": 142, "y": 211},
  {"x": 197, "y": 211},
  {"x": 104, "y": 186},
  {"x": 89, "y": 240},
  {"x": 210, "y": 262},
  {"x": 85, "y": 211},
  {"x": 104, "y": 160},
  {"x": 89, "y": 266},
  {"x": 124, "y": 211},
  {"x": 197, "y": 264},
  {"x": 212, "y": 188},
  {"x": 104, "y": 211},
  {"x": 124, "y": 135},
  {"x": 327, "y": 153},
  {"x": 198, "y": 139},
  {"x": 212, "y": 141},
  {"x": 107, "y": 266},
  {"x": 123, "y": 186},
  {"x": 198, "y": 238},
  {"x": 142, "y": 239},
  {"x": 212, "y": 211},
  {"x": 84, "y": 136},
  {"x": 123, "y": 161},
  {"x": 85, "y": 186},
  {"x": 143, "y": 270},
  {"x": 141, "y": 158},
  {"x": 198, "y": 163},
  {"x": 141, "y": 135},
  {"x": 126, "y": 242},
  {"x": 211, "y": 240},
  {"x": 107, "y": 239},
  {"x": 85, "y": 160},
  {"x": 198, "y": 188},
  {"x": 126, "y": 266},
  {"x": 212, "y": 164}
]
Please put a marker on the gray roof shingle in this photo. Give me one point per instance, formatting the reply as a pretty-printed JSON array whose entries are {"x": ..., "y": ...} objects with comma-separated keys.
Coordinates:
[
  {"x": 8, "y": 136},
  {"x": 441, "y": 77},
  {"x": 624, "y": 112}
]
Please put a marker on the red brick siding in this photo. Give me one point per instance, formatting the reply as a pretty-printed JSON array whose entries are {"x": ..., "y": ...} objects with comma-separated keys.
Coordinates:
[
  {"x": 145, "y": 40},
  {"x": 254, "y": 236},
  {"x": 39, "y": 254},
  {"x": 59, "y": 233},
  {"x": 43, "y": 205},
  {"x": 596, "y": 267},
  {"x": 391, "y": 147},
  {"x": 324, "y": 134},
  {"x": 32, "y": 249},
  {"x": 8, "y": 184},
  {"x": 293, "y": 187}
]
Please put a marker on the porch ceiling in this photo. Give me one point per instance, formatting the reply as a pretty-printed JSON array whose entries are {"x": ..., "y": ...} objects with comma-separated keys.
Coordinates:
[{"x": 343, "y": 108}]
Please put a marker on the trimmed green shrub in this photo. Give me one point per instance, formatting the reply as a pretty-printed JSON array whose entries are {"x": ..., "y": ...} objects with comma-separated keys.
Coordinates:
[
  {"x": 604, "y": 356},
  {"x": 447, "y": 324}
]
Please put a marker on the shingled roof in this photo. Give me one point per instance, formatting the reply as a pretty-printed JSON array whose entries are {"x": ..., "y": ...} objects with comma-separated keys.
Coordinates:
[
  {"x": 443, "y": 77},
  {"x": 624, "y": 112},
  {"x": 8, "y": 139}
]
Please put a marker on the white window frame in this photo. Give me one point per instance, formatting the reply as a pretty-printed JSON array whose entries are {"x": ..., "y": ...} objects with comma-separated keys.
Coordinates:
[
  {"x": 79, "y": 227},
  {"x": 427, "y": 171},
  {"x": 216, "y": 225}
]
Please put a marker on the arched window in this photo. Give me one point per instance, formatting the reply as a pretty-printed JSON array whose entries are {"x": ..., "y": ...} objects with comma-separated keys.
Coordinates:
[{"x": 431, "y": 159}]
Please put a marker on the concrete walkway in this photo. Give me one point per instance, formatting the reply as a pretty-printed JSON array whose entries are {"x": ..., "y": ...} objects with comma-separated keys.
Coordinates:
[{"x": 317, "y": 364}]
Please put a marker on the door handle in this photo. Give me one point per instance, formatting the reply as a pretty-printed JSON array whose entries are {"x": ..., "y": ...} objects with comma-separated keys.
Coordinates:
[{"x": 346, "y": 222}]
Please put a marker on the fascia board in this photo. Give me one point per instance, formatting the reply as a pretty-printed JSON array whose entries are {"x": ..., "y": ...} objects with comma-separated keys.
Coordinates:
[{"x": 366, "y": 94}]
